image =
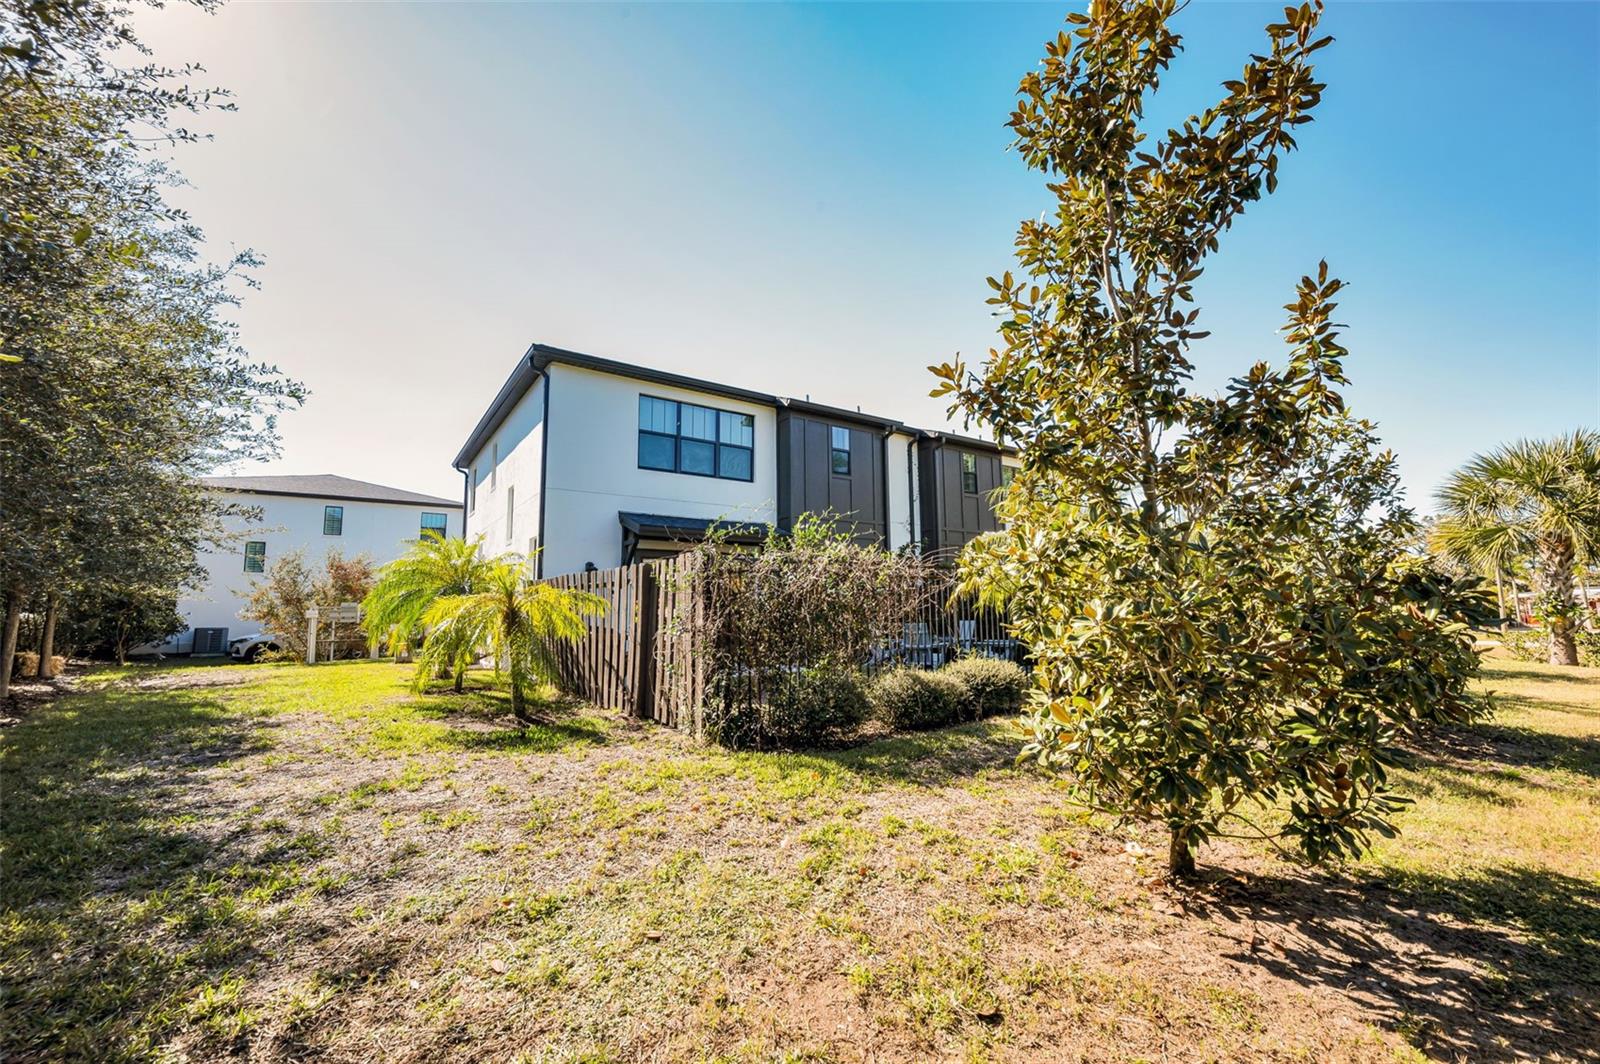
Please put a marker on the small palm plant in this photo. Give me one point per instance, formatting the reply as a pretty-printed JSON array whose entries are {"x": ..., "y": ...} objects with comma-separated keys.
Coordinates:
[
  {"x": 1531, "y": 498},
  {"x": 433, "y": 568},
  {"x": 517, "y": 621}
]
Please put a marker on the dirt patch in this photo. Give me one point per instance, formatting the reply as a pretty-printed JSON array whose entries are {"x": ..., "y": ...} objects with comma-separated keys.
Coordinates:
[{"x": 421, "y": 882}]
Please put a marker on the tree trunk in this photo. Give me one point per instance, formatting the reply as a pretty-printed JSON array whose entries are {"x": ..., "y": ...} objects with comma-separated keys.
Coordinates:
[
  {"x": 519, "y": 708},
  {"x": 461, "y": 678},
  {"x": 1555, "y": 579},
  {"x": 1180, "y": 857},
  {"x": 47, "y": 636},
  {"x": 8, "y": 643},
  {"x": 1500, "y": 596}
]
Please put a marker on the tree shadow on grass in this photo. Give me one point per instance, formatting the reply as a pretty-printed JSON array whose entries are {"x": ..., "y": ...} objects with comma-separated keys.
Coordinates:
[
  {"x": 1491, "y": 748},
  {"x": 480, "y": 718},
  {"x": 932, "y": 758},
  {"x": 1486, "y": 965},
  {"x": 112, "y": 897}
]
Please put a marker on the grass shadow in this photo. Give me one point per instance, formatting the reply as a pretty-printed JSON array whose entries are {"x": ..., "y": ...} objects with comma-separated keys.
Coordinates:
[
  {"x": 1492, "y": 965},
  {"x": 931, "y": 758},
  {"x": 1498, "y": 747},
  {"x": 479, "y": 718},
  {"x": 114, "y": 903}
]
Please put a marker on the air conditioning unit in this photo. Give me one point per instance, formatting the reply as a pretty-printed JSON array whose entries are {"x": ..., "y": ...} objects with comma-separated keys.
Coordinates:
[{"x": 210, "y": 641}]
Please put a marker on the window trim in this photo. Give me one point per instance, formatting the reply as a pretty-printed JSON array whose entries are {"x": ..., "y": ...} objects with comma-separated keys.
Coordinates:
[
  {"x": 834, "y": 450},
  {"x": 328, "y": 512},
  {"x": 717, "y": 443},
  {"x": 968, "y": 458},
  {"x": 511, "y": 510},
  {"x": 259, "y": 555}
]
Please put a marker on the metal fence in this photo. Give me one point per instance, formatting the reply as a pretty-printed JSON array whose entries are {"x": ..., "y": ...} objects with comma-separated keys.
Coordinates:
[{"x": 648, "y": 655}]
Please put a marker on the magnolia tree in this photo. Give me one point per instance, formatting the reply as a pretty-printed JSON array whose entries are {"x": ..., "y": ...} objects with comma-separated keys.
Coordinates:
[{"x": 1228, "y": 632}]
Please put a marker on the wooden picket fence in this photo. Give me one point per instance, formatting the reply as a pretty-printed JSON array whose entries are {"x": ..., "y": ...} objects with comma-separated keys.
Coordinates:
[{"x": 640, "y": 656}]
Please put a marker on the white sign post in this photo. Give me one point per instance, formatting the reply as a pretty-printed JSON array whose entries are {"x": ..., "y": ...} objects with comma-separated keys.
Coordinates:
[{"x": 311, "y": 636}]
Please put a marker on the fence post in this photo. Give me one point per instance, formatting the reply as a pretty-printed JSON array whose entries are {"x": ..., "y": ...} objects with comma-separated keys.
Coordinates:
[
  {"x": 311, "y": 636},
  {"x": 645, "y": 643}
]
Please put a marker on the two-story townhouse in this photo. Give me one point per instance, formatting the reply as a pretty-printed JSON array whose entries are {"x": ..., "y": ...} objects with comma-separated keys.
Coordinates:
[
  {"x": 602, "y": 463},
  {"x": 313, "y": 514}
]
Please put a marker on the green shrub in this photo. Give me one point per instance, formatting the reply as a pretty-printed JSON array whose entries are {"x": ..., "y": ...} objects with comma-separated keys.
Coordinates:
[
  {"x": 805, "y": 707},
  {"x": 907, "y": 698},
  {"x": 993, "y": 686}
]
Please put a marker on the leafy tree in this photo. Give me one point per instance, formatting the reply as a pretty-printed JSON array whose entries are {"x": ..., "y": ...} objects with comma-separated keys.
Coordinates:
[
  {"x": 1216, "y": 590},
  {"x": 118, "y": 623},
  {"x": 434, "y": 567},
  {"x": 1538, "y": 499},
  {"x": 122, "y": 379},
  {"x": 512, "y": 617}
]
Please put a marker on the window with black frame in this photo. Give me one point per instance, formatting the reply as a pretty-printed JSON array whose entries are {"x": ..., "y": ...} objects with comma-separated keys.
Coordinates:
[
  {"x": 969, "y": 472},
  {"x": 435, "y": 523},
  {"x": 333, "y": 520},
  {"x": 255, "y": 556},
  {"x": 839, "y": 450},
  {"x": 702, "y": 441}
]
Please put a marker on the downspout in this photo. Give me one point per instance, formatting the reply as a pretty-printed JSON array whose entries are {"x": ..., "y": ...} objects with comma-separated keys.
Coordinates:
[
  {"x": 544, "y": 469},
  {"x": 883, "y": 483},
  {"x": 466, "y": 488},
  {"x": 912, "y": 492}
]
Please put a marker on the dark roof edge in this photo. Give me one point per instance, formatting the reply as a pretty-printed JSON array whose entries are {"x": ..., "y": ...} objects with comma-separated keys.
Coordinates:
[
  {"x": 422, "y": 500},
  {"x": 805, "y": 406},
  {"x": 539, "y": 357},
  {"x": 968, "y": 441},
  {"x": 543, "y": 355},
  {"x": 516, "y": 385}
]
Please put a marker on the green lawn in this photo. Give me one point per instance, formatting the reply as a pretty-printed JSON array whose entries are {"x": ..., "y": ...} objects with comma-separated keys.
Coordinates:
[{"x": 283, "y": 862}]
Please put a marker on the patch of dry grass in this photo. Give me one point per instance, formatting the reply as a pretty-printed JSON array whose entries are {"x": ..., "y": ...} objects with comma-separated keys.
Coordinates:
[{"x": 311, "y": 863}]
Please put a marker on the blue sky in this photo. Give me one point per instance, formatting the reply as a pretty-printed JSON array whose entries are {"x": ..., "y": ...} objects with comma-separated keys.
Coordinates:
[{"x": 806, "y": 199}]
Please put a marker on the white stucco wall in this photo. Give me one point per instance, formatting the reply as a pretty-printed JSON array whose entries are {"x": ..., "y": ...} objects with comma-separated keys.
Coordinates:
[
  {"x": 901, "y": 478},
  {"x": 593, "y": 468},
  {"x": 518, "y": 443},
  {"x": 382, "y": 531}
]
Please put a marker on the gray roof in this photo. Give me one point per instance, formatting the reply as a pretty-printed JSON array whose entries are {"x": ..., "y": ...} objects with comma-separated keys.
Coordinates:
[{"x": 328, "y": 486}]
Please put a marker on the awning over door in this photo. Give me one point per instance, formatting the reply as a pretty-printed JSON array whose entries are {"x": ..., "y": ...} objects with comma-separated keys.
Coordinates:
[{"x": 652, "y": 535}]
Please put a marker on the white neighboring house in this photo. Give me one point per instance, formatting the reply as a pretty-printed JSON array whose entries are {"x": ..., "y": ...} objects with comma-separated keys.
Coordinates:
[
  {"x": 313, "y": 514},
  {"x": 603, "y": 463}
]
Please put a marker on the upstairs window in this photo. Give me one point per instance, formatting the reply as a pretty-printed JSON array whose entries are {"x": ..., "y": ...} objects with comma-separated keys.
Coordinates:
[
  {"x": 494, "y": 466},
  {"x": 511, "y": 512},
  {"x": 969, "y": 472},
  {"x": 1008, "y": 473},
  {"x": 435, "y": 523},
  {"x": 255, "y": 556},
  {"x": 679, "y": 437},
  {"x": 839, "y": 450},
  {"x": 333, "y": 520}
]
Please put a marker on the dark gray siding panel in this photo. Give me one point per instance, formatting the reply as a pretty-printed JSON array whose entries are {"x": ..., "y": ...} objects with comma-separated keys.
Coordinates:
[
  {"x": 806, "y": 483},
  {"x": 950, "y": 516}
]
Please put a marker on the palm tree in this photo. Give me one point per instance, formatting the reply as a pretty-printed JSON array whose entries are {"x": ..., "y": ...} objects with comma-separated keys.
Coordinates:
[
  {"x": 1530, "y": 499},
  {"x": 515, "y": 619},
  {"x": 432, "y": 569}
]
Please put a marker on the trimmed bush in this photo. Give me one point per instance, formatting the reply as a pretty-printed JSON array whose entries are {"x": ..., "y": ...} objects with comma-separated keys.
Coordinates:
[
  {"x": 803, "y": 707},
  {"x": 913, "y": 699},
  {"x": 993, "y": 686}
]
